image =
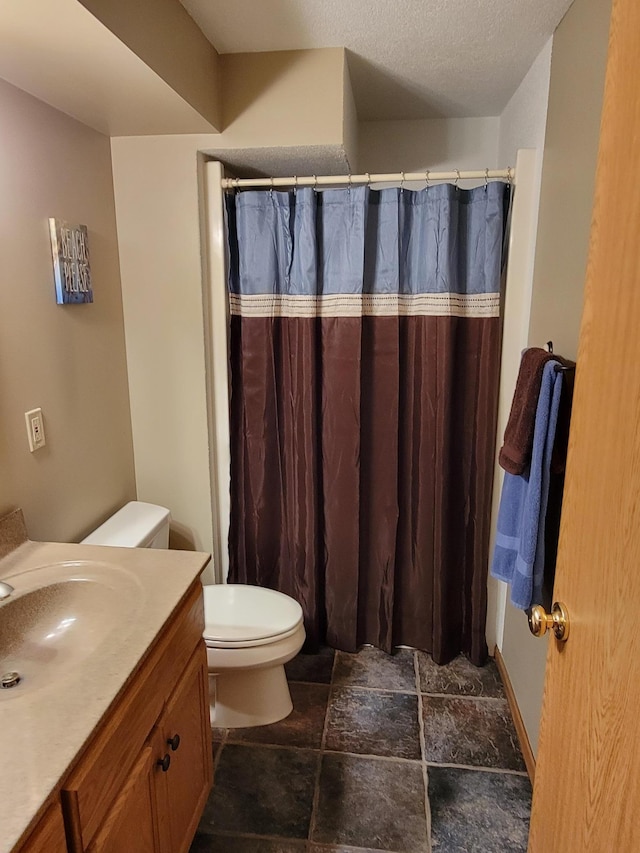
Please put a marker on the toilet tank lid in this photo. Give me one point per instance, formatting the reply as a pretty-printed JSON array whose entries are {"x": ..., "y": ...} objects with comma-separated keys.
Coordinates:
[{"x": 133, "y": 526}]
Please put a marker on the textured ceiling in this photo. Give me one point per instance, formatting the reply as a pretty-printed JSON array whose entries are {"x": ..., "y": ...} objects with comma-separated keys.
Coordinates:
[
  {"x": 407, "y": 58},
  {"x": 283, "y": 162}
]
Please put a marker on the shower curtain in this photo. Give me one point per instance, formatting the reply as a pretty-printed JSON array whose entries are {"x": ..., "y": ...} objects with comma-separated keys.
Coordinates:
[{"x": 364, "y": 349}]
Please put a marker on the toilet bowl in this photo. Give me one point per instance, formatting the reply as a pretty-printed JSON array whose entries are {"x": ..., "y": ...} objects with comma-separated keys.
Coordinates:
[{"x": 250, "y": 632}]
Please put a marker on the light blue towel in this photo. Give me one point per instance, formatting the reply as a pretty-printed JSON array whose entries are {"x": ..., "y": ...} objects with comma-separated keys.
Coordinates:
[{"x": 518, "y": 557}]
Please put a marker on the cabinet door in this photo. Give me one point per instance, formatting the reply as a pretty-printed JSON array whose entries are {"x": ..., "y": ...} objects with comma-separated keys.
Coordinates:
[
  {"x": 130, "y": 823},
  {"x": 187, "y": 740},
  {"x": 48, "y": 836}
]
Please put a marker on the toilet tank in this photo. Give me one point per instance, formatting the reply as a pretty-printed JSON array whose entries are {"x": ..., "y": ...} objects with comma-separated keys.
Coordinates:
[{"x": 136, "y": 525}]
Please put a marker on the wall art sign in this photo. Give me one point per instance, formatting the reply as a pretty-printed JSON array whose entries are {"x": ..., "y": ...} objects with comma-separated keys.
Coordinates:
[{"x": 71, "y": 270}]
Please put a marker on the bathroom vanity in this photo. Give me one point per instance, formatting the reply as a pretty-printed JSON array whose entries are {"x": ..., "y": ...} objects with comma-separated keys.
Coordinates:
[{"x": 108, "y": 744}]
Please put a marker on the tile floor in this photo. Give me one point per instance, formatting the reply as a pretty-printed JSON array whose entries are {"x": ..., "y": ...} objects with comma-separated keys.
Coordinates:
[{"x": 348, "y": 769}]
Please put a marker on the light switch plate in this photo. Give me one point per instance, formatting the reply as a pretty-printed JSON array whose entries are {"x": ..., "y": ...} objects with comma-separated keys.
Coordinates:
[{"x": 35, "y": 429}]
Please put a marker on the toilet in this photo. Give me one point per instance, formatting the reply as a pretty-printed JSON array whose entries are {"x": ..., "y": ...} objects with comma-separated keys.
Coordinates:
[{"x": 250, "y": 632}]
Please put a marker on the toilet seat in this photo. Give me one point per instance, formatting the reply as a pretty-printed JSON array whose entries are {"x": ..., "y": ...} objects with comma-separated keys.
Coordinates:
[{"x": 242, "y": 616}]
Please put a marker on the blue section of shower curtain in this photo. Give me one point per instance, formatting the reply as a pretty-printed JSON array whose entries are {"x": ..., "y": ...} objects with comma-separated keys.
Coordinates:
[{"x": 437, "y": 240}]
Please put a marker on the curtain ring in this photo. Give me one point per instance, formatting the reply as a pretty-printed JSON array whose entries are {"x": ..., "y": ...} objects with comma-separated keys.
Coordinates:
[
  {"x": 457, "y": 171},
  {"x": 349, "y": 188},
  {"x": 271, "y": 188},
  {"x": 315, "y": 184},
  {"x": 486, "y": 178},
  {"x": 295, "y": 184},
  {"x": 509, "y": 175},
  {"x": 426, "y": 177},
  {"x": 368, "y": 179},
  {"x": 401, "y": 182}
]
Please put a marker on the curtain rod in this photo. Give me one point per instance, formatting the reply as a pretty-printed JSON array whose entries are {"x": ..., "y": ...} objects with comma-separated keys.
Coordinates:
[{"x": 330, "y": 180}]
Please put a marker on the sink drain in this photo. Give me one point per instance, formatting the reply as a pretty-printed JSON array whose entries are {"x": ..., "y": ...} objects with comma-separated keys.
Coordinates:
[{"x": 9, "y": 679}]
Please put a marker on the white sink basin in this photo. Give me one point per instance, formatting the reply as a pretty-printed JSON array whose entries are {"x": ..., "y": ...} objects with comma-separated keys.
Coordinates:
[{"x": 58, "y": 616}]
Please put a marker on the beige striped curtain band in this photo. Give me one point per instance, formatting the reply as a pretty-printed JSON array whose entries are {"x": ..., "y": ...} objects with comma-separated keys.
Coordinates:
[{"x": 366, "y": 305}]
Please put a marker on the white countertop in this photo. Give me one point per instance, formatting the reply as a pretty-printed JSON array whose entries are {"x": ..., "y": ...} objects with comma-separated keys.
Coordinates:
[{"x": 43, "y": 730}]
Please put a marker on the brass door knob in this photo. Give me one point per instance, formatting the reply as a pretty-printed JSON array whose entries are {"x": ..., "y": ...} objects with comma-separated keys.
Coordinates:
[{"x": 557, "y": 620}]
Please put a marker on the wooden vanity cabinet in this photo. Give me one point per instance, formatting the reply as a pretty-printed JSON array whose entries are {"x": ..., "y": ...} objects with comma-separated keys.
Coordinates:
[
  {"x": 48, "y": 836},
  {"x": 181, "y": 792},
  {"x": 131, "y": 821},
  {"x": 144, "y": 779}
]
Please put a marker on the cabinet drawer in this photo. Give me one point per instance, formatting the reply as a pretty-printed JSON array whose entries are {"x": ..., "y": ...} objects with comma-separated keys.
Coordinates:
[{"x": 104, "y": 766}]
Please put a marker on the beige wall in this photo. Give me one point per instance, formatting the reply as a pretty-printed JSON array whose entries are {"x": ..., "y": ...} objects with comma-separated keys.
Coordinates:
[
  {"x": 523, "y": 120},
  {"x": 62, "y": 54},
  {"x": 168, "y": 40},
  {"x": 156, "y": 182},
  {"x": 350, "y": 128},
  {"x": 568, "y": 179},
  {"x": 70, "y": 360},
  {"x": 575, "y": 101},
  {"x": 436, "y": 144},
  {"x": 282, "y": 98}
]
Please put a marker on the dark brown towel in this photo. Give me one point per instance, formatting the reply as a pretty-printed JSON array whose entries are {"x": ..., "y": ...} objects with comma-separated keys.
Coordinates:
[{"x": 515, "y": 453}]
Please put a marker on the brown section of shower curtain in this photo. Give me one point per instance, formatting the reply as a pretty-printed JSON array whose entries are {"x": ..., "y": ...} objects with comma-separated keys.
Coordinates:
[{"x": 362, "y": 466}]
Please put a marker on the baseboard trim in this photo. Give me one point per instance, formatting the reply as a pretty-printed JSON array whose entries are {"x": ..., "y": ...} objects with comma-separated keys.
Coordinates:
[{"x": 525, "y": 745}]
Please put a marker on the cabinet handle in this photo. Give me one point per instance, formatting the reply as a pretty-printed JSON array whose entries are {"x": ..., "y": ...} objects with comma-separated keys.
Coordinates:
[
  {"x": 164, "y": 762},
  {"x": 174, "y": 742}
]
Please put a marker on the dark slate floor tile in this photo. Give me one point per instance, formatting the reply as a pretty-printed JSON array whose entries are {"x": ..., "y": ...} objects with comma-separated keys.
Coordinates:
[
  {"x": 459, "y": 678},
  {"x": 373, "y": 668},
  {"x": 237, "y": 844},
  {"x": 476, "y": 732},
  {"x": 472, "y": 810},
  {"x": 340, "y": 848},
  {"x": 372, "y": 803},
  {"x": 263, "y": 791},
  {"x": 303, "y": 726},
  {"x": 244, "y": 844},
  {"x": 373, "y": 723},
  {"x": 311, "y": 668}
]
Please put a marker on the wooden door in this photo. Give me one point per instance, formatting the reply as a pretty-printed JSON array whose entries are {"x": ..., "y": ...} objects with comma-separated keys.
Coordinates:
[
  {"x": 587, "y": 783},
  {"x": 130, "y": 823},
  {"x": 186, "y": 733}
]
